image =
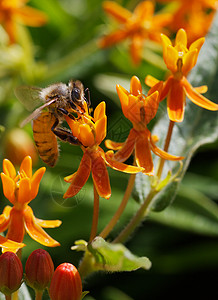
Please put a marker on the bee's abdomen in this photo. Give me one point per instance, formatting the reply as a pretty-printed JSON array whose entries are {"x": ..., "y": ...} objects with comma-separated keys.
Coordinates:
[{"x": 45, "y": 139}]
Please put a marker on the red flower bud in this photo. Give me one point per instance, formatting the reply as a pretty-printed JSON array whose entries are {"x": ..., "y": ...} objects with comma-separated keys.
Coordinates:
[
  {"x": 11, "y": 273},
  {"x": 39, "y": 269},
  {"x": 66, "y": 283}
]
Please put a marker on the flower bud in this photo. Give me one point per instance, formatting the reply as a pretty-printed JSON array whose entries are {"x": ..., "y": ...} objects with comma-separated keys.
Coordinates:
[
  {"x": 66, "y": 283},
  {"x": 39, "y": 269},
  {"x": 17, "y": 145},
  {"x": 11, "y": 273}
]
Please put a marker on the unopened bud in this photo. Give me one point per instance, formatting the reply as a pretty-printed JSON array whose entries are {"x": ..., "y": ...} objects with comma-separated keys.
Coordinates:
[
  {"x": 17, "y": 145},
  {"x": 66, "y": 283},
  {"x": 11, "y": 273},
  {"x": 39, "y": 269}
]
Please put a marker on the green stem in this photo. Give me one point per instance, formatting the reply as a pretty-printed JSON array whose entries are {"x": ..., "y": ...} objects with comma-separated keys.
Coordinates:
[
  {"x": 121, "y": 208},
  {"x": 95, "y": 215},
  {"x": 166, "y": 147},
  {"x": 136, "y": 220}
]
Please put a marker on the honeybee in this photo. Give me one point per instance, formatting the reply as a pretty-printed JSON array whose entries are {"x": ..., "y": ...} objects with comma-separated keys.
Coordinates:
[{"x": 59, "y": 99}]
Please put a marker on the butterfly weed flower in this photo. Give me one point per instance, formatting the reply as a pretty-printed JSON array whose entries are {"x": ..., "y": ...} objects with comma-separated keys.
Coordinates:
[
  {"x": 180, "y": 60},
  {"x": 91, "y": 132},
  {"x": 14, "y": 12},
  {"x": 20, "y": 189},
  {"x": 194, "y": 16},
  {"x": 140, "y": 110},
  {"x": 138, "y": 26}
]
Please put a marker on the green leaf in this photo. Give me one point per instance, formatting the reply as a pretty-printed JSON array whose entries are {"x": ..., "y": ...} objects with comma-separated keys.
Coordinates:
[
  {"x": 115, "y": 257},
  {"x": 199, "y": 127}
]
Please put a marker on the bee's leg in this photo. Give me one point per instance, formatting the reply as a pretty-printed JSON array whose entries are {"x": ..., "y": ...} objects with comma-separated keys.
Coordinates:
[
  {"x": 64, "y": 134},
  {"x": 65, "y": 112},
  {"x": 88, "y": 98}
]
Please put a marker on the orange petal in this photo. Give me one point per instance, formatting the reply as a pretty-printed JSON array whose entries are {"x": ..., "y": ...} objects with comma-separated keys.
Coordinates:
[
  {"x": 4, "y": 218},
  {"x": 26, "y": 166},
  {"x": 113, "y": 145},
  {"x": 176, "y": 102},
  {"x": 101, "y": 130},
  {"x": 135, "y": 109},
  {"x": 124, "y": 99},
  {"x": 151, "y": 106},
  {"x": 150, "y": 80},
  {"x": 48, "y": 223},
  {"x": 86, "y": 136},
  {"x": 114, "y": 164},
  {"x": 121, "y": 14},
  {"x": 143, "y": 153},
  {"x": 166, "y": 87},
  {"x": 80, "y": 177},
  {"x": 124, "y": 153},
  {"x": 30, "y": 16},
  {"x": 136, "y": 48},
  {"x": 99, "y": 111},
  {"x": 9, "y": 169},
  {"x": 144, "y": 10},
  {"x": 181, "y": 37},
  {"x": 9, "y": 245},
  {"x": 197, "y": 44},
  {"x": 35, "y": 181},
  {"x": 135, "y": 86},
  {"x": 24, "y": 191},
  {"x": 11, "y": 29},
  {"x": 171, "y": 58},
  {"x": 16, "y": 228},
  {"x": 100, "y": 175},
  {"x": 8, "y": 187},
  {"x": 197, "y": 98},
  {"x": 35, "y": 231},
  {"x": 158, "y": 86},
  {"x": 201, "y": 89},
  {"x": 113, "y": 38},
  {"x": 189, "y": 61},
  {"x": 163, "y": 154}
]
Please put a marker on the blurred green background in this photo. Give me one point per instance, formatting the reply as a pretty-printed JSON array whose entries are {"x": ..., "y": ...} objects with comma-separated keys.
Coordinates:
[{"x": 181, "y": 242}]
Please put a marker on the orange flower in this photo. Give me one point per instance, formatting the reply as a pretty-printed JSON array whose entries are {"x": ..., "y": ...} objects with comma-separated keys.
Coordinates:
[
  {"x": 91, "y": 132},
  {"x": 194, "y": 16},
  {"x": 138, "y": 26},
  {"x": 20, "y": 189},
  {"x": 180, "y": 61},
  {"x": 140, "y": 110},
  {"x": 15, "y": 11}
]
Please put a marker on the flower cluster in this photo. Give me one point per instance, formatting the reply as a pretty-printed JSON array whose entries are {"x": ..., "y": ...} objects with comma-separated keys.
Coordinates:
[
  {"x": 20, "y": 189},
  {"x": 138, "y": 26}
]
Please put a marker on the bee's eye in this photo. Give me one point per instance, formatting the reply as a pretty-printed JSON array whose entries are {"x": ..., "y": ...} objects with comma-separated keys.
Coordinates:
[{"x": 75, "y": 94}]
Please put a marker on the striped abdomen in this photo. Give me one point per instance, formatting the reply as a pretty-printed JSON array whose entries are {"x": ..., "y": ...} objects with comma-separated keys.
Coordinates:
[{"x": 45, "y": 139}]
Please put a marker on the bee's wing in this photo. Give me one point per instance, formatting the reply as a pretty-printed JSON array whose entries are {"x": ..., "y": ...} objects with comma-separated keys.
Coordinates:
[
  {"x": 36, "y": 113},
  {"x": 28, "y": 96}
]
